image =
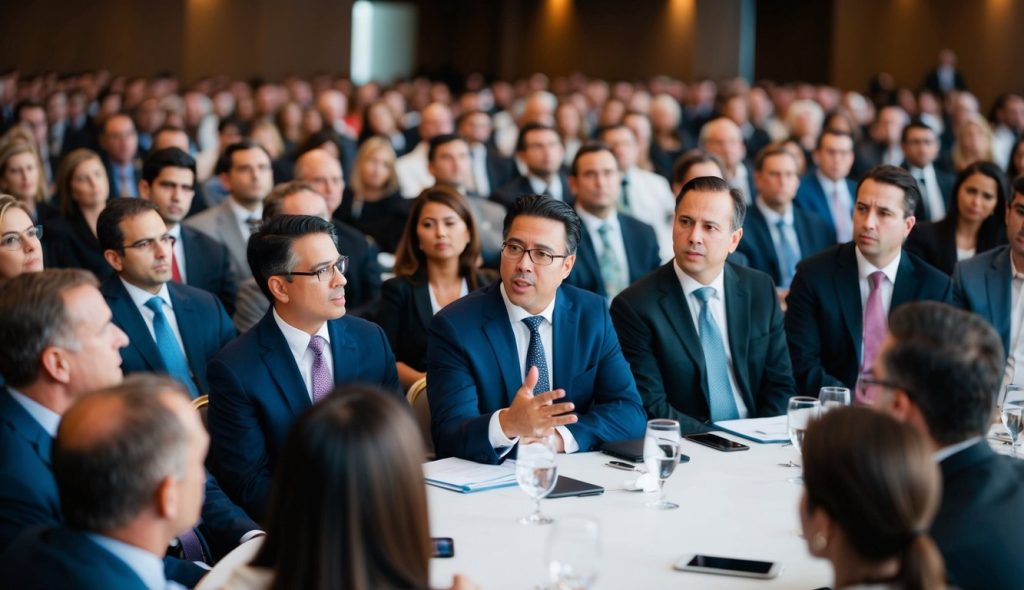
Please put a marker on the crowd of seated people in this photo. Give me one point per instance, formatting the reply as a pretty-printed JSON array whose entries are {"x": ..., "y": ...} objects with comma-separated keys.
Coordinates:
[{"x": 565, "y": 257}]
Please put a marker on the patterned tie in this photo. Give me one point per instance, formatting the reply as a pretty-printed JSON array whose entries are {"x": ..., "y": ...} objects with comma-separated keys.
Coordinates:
[
  {"x": 322, "y": 382},
  {"x": 535, "y": 354},
  {"x": 787, "y": 255},
  {"x": 720, "y": 395},
  {"x": 611, "y": 270},
  {"x": 841, "y": 216},
  {"x": 624, "y": 196},
  {"x": 874, "y": 324},
  {"x": 171, "y": 353}
]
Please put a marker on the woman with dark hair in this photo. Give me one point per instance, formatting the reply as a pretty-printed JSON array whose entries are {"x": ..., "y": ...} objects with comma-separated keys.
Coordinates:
[
  {"x": 973, "y": 225},
  {"x": 869, "y": 501},
  {"x": 82, "y": 192},
  {"x": 380, "y": 121},
  {"x": 436, "y": 263},
  {"x": 1015, "y": 167},
  {"x": 349, "y": 506}
]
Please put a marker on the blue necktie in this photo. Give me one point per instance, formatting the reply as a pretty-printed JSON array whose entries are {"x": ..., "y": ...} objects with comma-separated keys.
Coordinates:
[
  {"x": 787, "y": 256},
  {"x": 535, "y": 354},
  {"x": 171, "y": 353},
  {"x": 611, "y": 270},
  {"x": 720, "y": 399}
]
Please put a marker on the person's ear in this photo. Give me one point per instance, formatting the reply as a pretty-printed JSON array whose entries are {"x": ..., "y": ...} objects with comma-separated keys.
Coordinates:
[
  {"x": 114, "y": 259},
  {"x": 278, "y": 286},
  {"x": 166, "y": 498}
]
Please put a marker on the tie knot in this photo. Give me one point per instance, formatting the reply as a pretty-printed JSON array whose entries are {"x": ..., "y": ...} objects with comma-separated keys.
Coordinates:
[
  {"x": 316, "y": 344},
  {"x": 704, "y": 294},
  {"x": 253, "y": 223},
  {"x": 533, "y": 323},
  {"x": 876, "y": 278},
  {"x": 604, "y": 229},
  {"x": 781, "y": 223},
  {"x": 156, "y": 304}
]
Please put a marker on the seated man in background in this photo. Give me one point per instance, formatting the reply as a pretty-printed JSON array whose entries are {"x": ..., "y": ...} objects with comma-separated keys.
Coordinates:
[{"x": 545, "y": 340}]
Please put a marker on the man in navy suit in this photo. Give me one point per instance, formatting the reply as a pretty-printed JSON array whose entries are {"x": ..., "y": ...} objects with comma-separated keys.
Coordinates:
[
  {"x": 661, "y": 321},
  {"x": 146, "y": 303},
  {"x": 615, "y": 249},
  {"x": 840, "y": 299},
  {"x": 777, "y": 235},
  {"x": 120, "y": 143},
  {"x": 828, "y": 191},
  {"x": 540, "y": 148},
  {"x": 169, "y": 181},
  {"x": 529, "y": 357},
  {"x": 117, "y": 528},
  {"x": 939, "y": 371},
  {"x": 303, "y": 347},
  {"x": 921, "y": 151}
]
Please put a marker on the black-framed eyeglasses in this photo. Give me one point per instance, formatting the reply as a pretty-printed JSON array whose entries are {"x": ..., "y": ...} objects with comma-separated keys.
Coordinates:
[
  {"x": 16, "y": 240},
  {"x": 539, "y": 256},
  {"x": 322, "y": 274},
  {"x": 164, "y": 240},
  {"x": 869, "y": 387}
]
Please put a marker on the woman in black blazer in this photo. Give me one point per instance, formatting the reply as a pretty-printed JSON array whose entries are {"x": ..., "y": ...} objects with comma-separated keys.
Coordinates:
[
  {"x": 82, "y": 192},
  {"x": 973, "y": 225},
  {"x": 436, "y": 263}
]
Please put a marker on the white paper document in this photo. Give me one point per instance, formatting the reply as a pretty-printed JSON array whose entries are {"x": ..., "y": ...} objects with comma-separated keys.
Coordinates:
[
  {"x": 762, "y": 430},
  {"x": 466, "y": 476}
]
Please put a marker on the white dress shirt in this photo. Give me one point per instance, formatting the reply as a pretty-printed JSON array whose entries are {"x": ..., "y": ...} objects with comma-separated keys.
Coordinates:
[
  {"x": 652, "y": 201},
  {"x": 478, "y": 157},
  {"x": 521, "y": 332},
  {"x": 932, "y": 194},
  {"x": 717, "y": 305},
  {"x": 593, "y": 225},
  {"x": 47, "y": 418},
  {"x": 141, "y": 296},
  {"x": 243, "y": 215},
  {"x": 179, "y": 251},
  {"x": 1003, "y": 140},
  {"x": 412, "y": 171},
  {"x": 435, "y": 306},
  {"x": 740, "y": 182},
  {"x": 540, "y": 186},
  {"x": 1015, "y": 356},
  {"x": 845, "y": 210},
  {"x": 298, "y": 344}
]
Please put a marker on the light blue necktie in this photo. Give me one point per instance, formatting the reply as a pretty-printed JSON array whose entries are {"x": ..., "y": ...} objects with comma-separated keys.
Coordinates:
[
  {"x": 171, "y": 353},
  {"x": 723, "y": 406},
  {"x": 788, "y": 257},
  {"x": 535, "y": 354},
  {"x": 611, "y": 270}
]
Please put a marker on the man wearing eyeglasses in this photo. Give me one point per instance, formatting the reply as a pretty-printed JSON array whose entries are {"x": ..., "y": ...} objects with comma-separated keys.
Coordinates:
[
  {"x": 529, "y": 357},
  {"x": 304, "y": 347},
  {"x": 173, "y": 328}
]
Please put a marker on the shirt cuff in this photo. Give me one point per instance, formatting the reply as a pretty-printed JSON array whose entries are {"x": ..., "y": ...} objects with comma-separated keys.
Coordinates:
[
  {"x": 250, "y": 536},
  {"x": 501, "y": 443},
  {"x": 568, "y": 440}
]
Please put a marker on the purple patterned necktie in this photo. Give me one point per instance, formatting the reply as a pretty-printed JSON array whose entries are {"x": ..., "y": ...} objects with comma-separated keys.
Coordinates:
[
  {"x": 874, "y": 324},
  {"x": 322, "y": 381}
]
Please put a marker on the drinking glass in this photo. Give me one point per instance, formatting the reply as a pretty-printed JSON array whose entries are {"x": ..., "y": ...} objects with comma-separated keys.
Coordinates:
[
  {"x": 536, "y": 473},
  {"x": 661, "y": 455},
  {"x": 833, "y": 397},
  {"x": 1010, "y": 411},
  {"x": 799, "y": 414},
  {"x": 574, "y": 553}
]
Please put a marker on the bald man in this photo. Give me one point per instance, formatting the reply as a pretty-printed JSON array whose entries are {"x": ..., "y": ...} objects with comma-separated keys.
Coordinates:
[
  {"x": 723, "y": 138},
  {"x": 412, "y": 171}
]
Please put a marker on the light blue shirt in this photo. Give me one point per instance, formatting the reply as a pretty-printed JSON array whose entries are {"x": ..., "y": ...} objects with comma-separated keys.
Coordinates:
[
  {"x": 147, "y": 566},
  {"x": 46, "y": 417}
]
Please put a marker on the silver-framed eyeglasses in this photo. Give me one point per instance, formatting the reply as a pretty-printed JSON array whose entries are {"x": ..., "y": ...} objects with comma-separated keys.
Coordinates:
[
  {"x": 164, "y": 240},
  {"x": 539, "y": 256},
  {"x": 16, "y": 240},
  {"x": 324, "y": 273}
]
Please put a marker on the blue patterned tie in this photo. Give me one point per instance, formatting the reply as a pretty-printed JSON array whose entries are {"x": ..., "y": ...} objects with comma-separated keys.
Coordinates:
[
  {"x": 723, "y": 406},
  {"x": 171, "y": 353},
  {"x": 535, "y": 354},
  {"x": 787, "y": 255},
  {"x": 611, "y": 270}
]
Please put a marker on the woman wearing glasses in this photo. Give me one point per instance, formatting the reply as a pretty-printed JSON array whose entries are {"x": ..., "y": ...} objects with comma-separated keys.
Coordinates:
[
  {"x": 20, "y": 249},
  {"x": 436, "y": 263},
  {"x": 82, "y": 192},
  {"x": 869, "y": 501}
]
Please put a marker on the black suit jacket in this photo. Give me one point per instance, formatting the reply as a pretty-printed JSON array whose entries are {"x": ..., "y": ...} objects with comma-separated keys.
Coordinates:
[
  {"x": 813, "y": 234},
  {"x": 977, "y": 527},
  {"x": 363, "y": 287},
  {"x": 641, "y": 256},
  {"x": 663, "y": 346},
  {"x": 935, "y": 242},
  {"x": 824, "y": 316},
  {"x": 383, "y": 220},
  {"x": 520, "y": 186},
  {"x": 208, "y": 266},
  {"x": 500, "y": 170},
  {"x": 71, "y": 244},
  {"x": 946, "y": 180}
]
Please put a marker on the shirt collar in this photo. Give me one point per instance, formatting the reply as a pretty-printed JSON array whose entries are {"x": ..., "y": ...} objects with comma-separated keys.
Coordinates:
[
  {"x": 243, "y": 215},
  {"x": 691, "y": 284},
  {"x": 865, "y": 268},
  {"x": 141, "y": 296},
  {"x": 147, "y": 566},
  {"x": 538, "y": 185},
  {"x": 827, "y": 183},
  {"x": 947, "y": 452},
  {"x": 594, "y": 223},
  {"x": 175, "y": 232},
  {"x": 518, "y": 314},
  {"x": 771, "y": 216},
  {"x": 46, "y": 417},
  {"x": 298, "y": 341}
]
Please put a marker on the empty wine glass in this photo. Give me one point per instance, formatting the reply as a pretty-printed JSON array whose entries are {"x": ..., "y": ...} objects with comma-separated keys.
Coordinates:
[
  {"x": 833, "y": 397},
  {"x": 799, "y": 414},
  {"x": 536, "y": 473},
  {"x": 574, "y": 553},
  {"x": 661, "y": 455},
  {"x": 1010, "y": 411}
]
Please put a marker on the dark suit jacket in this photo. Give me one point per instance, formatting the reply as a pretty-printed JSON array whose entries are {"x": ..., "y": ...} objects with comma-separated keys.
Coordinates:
[
  {"x": 500, "y": 170},
  {"x": 204, "y": 326},
  {"x": 65, "y": 558},
  {"x": 383, "y": 220},
  {"x": 520, "y": 186},
  {"x": 811, "y": 197},
  {"x": 812, "y": 233},
  {"x": 208, "y": 266},
  {"x": 71, "y": 244},
  {"x": 935, "y": 242},
  {"x": 363, "y": 287},
  {"x": 946, "y": 180},
  {"x": 824, "y": 318},
  {"x": 115, "y": 188},
  {"x": 256, "y": 392},
  {"x": 931, "y": 81},
  {"x": 474, "y": 371},
  {"x": 977, "y": 527},
  {"x": 664, "y": 351},
  {"x": 641, "y": 256},
  {"x": 983, "y": 285},
  {"x": 405, "y": 315}
]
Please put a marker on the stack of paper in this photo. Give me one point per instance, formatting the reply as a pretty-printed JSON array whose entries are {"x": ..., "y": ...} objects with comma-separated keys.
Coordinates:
[
  {"x": 466, "y": 476},
  {"x": 762, "y": 430}
]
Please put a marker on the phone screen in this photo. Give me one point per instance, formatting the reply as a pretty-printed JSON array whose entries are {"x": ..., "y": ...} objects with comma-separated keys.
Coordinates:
[
  {"x": 730, "y": 564},
  {"x": 443, "y": 546},
  {"x": 715, "y": 441}
]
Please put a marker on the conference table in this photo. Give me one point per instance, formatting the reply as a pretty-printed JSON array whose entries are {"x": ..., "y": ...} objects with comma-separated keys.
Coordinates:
[{"x": 739, "y": 504}]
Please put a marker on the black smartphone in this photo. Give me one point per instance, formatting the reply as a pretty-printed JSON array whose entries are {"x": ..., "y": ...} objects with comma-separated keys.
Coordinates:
[
  {"x": 443, "y": 546},
  {"x": 631, "y": 450},
  {"x": 728, "y": 566},
  {"x": 716, "y": 442}
]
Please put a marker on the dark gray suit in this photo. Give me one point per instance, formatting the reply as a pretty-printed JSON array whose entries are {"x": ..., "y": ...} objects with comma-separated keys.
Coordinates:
[{"x": 220, "y": 224}]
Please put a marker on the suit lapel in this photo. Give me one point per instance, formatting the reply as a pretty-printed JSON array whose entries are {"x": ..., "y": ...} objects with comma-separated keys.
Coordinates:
[
  {"x": 586, "y": 257},
  {"x": 906, "y": 283},
  {"x": 421, "y": 299},
  {"x": 803, "y": 233},
  {"x": 632, "y": 243},
  {"x": 737, "y": 310},
  {"x": 762, "y": 237},
  {"x": 26, "y": 426},
  {"x": 281, "y": 364},
  {"x": 193, "y": 267},
  {"x": 189, "y": 326},
  {"x": 564, "y": 336},
  {"x": 124, "y": 309},
  {"x": 998, "y": 281},
  {"x": 673, "y": 304},
  {"x": 846, "y": 282},
  {"x": 498, "y": 331},
  {"x": 343, "y": 350},
  {"x": 234, "y": 239}
]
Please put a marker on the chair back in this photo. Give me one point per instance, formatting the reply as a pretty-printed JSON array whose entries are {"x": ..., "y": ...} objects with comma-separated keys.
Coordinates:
[{"x": 417, "y": 397}]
